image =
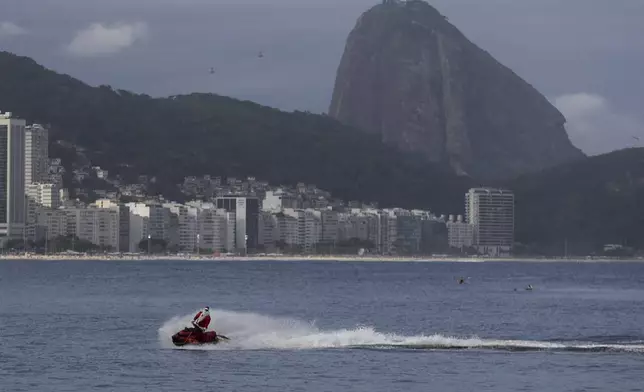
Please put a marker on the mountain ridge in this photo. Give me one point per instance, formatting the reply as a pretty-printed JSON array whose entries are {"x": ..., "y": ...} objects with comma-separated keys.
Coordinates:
[
  {"x": 209, "y": 134},
  {"x": 582, "y": 205},
  {"x": 590, "y": 202}
]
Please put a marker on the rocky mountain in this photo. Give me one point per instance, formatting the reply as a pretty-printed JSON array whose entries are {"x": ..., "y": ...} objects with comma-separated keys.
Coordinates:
[
  {"x": 414, "y": 79},
  {"x": 169, "y": 138}
]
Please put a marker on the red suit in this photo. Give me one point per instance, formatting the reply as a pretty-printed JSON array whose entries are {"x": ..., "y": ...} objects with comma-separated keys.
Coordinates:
[{"x": 202, "y": 319}]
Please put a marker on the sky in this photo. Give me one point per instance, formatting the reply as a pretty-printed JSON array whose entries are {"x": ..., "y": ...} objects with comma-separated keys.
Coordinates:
[{"x": 585, "y": 56}]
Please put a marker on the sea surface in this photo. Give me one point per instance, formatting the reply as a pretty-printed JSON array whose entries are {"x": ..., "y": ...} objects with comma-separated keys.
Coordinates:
[{"x": 322, "y": 326}]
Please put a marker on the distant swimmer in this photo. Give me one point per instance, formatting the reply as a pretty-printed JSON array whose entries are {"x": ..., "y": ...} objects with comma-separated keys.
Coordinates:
[{"x": 461, "y": 281}]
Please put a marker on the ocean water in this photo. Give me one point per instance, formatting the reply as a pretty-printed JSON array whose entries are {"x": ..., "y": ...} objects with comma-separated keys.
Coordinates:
[{"x": 322, "y": 326}]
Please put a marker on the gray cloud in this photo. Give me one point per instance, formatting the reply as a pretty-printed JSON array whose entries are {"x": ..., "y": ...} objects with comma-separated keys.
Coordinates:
[
  {"x": 101, "y": 40},
  {"x": 9, "y": 29},
  {"x": 558, "y": 46},
  {"x": 596, "y": 127}
]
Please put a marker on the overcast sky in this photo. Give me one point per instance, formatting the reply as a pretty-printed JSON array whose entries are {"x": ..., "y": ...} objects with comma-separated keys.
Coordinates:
[{"x": 586, "y": 56}]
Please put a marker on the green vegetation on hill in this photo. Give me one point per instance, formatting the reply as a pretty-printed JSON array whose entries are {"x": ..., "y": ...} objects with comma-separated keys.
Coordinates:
[
  {"x": 131, "y": 134},
  {"x": 588, "y": 203},
  {"x": 596, "y": 201}
]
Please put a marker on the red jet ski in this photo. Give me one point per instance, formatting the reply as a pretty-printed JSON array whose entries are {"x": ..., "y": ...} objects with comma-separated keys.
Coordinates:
[{"x": 191, "y": 336}]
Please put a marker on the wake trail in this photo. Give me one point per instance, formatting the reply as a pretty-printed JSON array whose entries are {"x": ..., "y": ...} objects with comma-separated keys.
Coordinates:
[{"x": 251, "y": 331}]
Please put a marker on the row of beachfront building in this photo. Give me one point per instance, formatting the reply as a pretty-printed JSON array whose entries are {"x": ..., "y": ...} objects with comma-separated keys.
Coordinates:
[
  {"x": 246, "y": 225},
  {"x": 35, "y": 208}
]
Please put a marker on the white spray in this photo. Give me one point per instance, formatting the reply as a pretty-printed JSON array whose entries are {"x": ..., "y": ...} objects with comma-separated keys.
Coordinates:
[{"x": 250, "y": 331}]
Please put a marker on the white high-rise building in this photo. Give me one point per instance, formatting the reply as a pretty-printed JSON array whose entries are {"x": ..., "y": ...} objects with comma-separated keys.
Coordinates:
[
  {"x": 99, "y": 226},
  {"x": 37, "y": 188},
  {"x": 272, "y": 201},
  {"x": 13, "y": 206},
  {"x": 124, "y": 221},
  {"x": 187, "y": 232},
  {"x": 215, "y": 229},
  {"x": 387, "y": 232},
  {"x": 44, "y": 194},
  {"x": 231, "y": 234},
  {"x": 268, "y": 230},
  {"x": 309, "y": 228},
  {"x": 36, "y": 154},
  {"x": 408, "y": 230},
  {"x": 491, "y": 213},
  {"x": 39, "y": 195},
  {"x": 148, "y": 221},
  {"x": 246, "y": 211},
  {"x": 277, "y": 200},
  {"x": 359, "y": 226},
  {"x": 459, "y": 234},
  {"x": 330, "y": 226},
  {"x": 50, "y": 224},
  {"x": 287, "y": 229}
]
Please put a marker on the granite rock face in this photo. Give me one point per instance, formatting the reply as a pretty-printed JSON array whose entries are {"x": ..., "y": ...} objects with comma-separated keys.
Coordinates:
[{"x": 415, "y": 79}]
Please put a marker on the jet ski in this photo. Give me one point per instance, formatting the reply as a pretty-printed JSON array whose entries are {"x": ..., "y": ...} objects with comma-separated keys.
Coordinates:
[{"x": 188, "y": 336}]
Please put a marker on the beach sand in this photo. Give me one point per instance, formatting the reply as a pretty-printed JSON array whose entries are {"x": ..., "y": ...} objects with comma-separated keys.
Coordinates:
[{"x": 328, "y": 258}]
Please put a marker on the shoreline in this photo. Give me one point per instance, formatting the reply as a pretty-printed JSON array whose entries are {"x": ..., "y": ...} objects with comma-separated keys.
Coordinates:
[{"x": 304, "y": 258}]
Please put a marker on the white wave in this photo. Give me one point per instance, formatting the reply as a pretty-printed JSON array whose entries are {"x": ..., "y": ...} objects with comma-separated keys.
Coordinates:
[{"x": 250, "y": 331}]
